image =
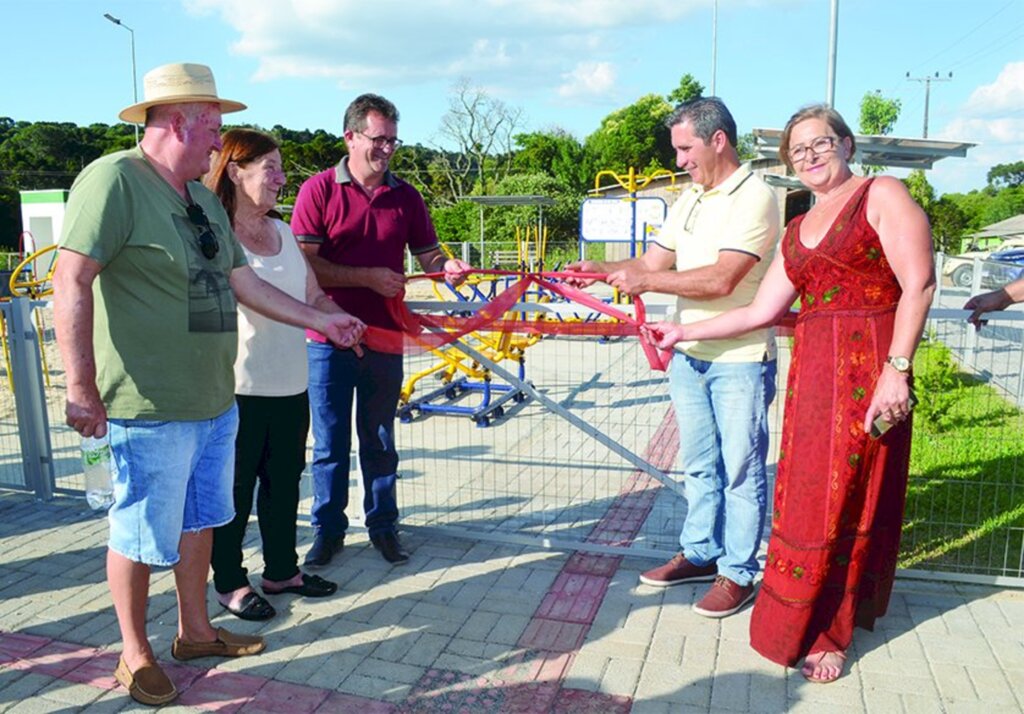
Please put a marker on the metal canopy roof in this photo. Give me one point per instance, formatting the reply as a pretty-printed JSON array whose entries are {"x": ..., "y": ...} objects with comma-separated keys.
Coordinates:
[
  {"x": 879, "y": 150},
  {"x": 510, "y": 200}
]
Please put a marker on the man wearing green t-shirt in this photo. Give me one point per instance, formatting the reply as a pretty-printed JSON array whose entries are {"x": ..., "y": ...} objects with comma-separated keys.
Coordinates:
[{"x": 144, "y": 303}]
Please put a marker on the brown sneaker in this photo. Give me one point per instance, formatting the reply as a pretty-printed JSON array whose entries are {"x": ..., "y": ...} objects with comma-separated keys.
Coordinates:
[
  {"x": 677, "y": 571},
  {"x": 724, "y": 598}
]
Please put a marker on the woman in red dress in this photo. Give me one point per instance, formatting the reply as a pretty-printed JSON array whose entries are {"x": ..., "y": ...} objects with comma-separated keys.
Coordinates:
[{"x": 860, "y": 262}]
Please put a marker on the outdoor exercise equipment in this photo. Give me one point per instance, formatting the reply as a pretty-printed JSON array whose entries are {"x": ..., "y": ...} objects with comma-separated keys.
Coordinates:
[
  {"x": 26, "y": 281},
  {"x": 493, "y": 333}
]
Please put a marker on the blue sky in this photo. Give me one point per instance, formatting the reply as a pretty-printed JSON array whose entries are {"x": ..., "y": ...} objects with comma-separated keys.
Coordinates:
[{"x": 566, "y": 63}]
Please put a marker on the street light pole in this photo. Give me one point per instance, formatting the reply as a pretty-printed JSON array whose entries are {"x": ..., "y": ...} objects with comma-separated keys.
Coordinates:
[
  {"x": 714, "y": 48},
  {"x": 135, "y": 86},
  {"x": 830, "y": 87}
]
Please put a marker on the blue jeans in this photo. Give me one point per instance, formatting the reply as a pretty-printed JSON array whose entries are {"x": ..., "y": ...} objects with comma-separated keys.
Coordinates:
[
  {"x": 337, "y": 379},
  {"x": 722, "y": 410},
  {"x": 173, "y": 477}
]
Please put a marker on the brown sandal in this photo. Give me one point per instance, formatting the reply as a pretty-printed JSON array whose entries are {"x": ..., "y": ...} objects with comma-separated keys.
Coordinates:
[
  {"x": 146, "y": 685},
  {"x": 809, "y": 676}
]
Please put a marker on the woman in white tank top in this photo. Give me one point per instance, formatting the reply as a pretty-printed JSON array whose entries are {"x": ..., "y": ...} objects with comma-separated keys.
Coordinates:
[{"x": 270, "y": 384}]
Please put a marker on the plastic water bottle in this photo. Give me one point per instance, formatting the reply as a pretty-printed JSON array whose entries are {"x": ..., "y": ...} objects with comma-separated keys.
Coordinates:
[{"x": 96, "y": 465}]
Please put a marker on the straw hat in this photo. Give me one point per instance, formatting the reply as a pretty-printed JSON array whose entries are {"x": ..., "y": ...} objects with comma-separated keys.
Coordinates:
[{"x": 177, "y": 83}]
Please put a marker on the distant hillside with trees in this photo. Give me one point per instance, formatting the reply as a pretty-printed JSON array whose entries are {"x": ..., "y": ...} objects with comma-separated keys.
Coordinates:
[{"x": 486, "y": 151}]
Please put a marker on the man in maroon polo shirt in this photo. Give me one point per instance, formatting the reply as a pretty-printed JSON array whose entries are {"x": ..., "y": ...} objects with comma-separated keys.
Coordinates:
[{"x": 354, "y": 222}]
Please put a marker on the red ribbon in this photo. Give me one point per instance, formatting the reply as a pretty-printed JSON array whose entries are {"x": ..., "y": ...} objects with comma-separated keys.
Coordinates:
[{"x": 421, "y": 332}]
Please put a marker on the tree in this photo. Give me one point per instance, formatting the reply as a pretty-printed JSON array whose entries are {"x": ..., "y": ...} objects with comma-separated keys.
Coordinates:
[
  {"x": 746, "y": 146},
  {"x": 920, "y": 190},
  {"x": 689, "y": 88},
  {"x": 948, "y": 222},
  {"x": 878, "y": 116},
  {"x": 561, "y": 220},
  {"x": 481, "y": 128},
  {"x": 304, "y": 153},
  {"x": 948, "y": 225},
  {"x": 633, "y": 136},
  {"x": 556, "y": 153},
  {"x": 1006, "y": 175}
]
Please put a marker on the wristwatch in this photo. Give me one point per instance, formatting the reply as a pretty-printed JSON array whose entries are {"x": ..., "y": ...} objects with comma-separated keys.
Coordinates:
[{"x": 900, "y": 364}]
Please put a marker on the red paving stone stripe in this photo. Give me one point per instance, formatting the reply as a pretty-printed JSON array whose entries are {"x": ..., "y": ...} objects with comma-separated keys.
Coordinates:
[
  {"x": 457, "y": 692},
  {"x": 592, "y": 564},
  {"x": 218, "y": 691},
  {"x": 533, "y": 665},
  {"x": 553, "y": 635},
  {"x": 96, "y": 672},
  {"x": 54, "y": 659},
  {"x": 565, "y": 614},
  {"x": 578, "y": 701},
  {"x": 574, "y": 597},
  {"x": 14, "y": 645},
  {"x": 212, "y": 690}
]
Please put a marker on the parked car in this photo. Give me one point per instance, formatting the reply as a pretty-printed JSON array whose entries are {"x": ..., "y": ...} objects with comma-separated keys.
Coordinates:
[
  {"x": 960, "y": 268},
  {"x": 1001, "y": 268}
]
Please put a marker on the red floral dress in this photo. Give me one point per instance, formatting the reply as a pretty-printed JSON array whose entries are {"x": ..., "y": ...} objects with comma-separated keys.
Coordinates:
[{"x": 839, "y": 495}]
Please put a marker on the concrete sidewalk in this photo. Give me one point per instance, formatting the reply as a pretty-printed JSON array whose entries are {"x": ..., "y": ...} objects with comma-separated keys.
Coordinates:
[{"x": 477, "y": 627}]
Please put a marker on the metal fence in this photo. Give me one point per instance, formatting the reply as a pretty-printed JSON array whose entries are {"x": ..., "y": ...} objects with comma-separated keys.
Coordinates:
[{"x": 582, "y": 453}]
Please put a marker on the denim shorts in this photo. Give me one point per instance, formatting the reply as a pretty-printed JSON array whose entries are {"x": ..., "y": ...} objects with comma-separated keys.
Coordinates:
[{"x": 173, "y": 477}]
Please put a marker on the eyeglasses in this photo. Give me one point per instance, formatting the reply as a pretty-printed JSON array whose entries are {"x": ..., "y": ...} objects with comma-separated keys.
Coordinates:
[
  {"x": 379, "y": 142},
  {"x": 208, "y": 243},
  {"x": 819, "y": 146}
]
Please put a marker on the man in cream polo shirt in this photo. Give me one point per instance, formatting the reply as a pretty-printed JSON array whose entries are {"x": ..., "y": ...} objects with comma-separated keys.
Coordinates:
[{"x": 712, "y": 252}]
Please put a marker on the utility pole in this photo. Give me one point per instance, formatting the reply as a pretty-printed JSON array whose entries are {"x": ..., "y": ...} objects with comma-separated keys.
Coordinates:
[{"x": 928, "y": 91}]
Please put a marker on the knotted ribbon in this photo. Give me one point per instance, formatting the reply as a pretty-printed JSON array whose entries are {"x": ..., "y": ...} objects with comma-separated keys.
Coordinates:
[{"x": 422, "y": 332}]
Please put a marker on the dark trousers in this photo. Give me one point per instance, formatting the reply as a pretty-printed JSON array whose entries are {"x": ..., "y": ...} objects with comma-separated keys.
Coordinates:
[
  {"x": 337, "y": 381},
  {"x": 270, "y": 449}
]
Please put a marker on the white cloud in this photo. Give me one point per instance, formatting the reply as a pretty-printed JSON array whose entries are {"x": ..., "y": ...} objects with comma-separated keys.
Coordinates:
[
  {"x": 588, "y": 79},
  {"x": 563, "y": 46},
  {"x": 992, "y": 118},
  {"x": 1006, "y": 94}
]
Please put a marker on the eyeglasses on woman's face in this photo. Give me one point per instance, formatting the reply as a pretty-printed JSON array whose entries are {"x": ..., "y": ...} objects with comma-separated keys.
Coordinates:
[{"x": 820, "y": 145}]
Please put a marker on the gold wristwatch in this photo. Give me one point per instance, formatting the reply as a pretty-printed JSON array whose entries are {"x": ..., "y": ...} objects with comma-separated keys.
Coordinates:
[{"x": 900, "y": 364}]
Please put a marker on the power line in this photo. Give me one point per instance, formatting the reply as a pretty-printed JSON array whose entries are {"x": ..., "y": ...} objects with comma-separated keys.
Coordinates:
[{"x": 968, "y": 33}]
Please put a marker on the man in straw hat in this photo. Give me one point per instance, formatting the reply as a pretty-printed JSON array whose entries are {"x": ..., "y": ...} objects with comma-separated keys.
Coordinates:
[{"x": 144, "y": 299}]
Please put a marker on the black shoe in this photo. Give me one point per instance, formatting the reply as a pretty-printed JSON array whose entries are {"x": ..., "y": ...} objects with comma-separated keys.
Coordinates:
[
  {"x": 323, "y": 549},
  {"x": 390, "y": 548}
]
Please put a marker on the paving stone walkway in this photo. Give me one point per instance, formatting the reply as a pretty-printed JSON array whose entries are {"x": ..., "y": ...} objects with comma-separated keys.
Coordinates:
[{"x": 478, "y": 627}]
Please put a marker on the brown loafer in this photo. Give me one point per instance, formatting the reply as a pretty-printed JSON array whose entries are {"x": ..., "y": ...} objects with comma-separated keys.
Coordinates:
[
  {"x": 227, "y": 644},
  {"x": 147, "y": 685}
]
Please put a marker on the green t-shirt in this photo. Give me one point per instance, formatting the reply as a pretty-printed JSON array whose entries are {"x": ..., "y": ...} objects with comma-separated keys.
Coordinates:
[{"x": 164, "y": 329}]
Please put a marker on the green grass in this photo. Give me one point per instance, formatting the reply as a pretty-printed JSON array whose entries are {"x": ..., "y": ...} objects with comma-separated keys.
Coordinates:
[{"x": 965, "y": 502}]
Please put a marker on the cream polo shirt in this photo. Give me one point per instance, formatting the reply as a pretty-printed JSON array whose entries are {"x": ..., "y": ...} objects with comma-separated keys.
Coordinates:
[{"x": 739, "y": 214}]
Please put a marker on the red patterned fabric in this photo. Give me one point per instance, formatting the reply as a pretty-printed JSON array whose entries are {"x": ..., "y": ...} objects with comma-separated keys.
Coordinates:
[{"x": 839, "y": 495}]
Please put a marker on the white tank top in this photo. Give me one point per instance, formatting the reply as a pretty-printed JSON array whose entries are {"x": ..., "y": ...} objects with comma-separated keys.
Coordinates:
[{"x": 271, "y": 358}]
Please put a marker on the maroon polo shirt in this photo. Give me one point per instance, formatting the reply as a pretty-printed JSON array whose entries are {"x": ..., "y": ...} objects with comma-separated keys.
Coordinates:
[{"x": 352, "y": 229}]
